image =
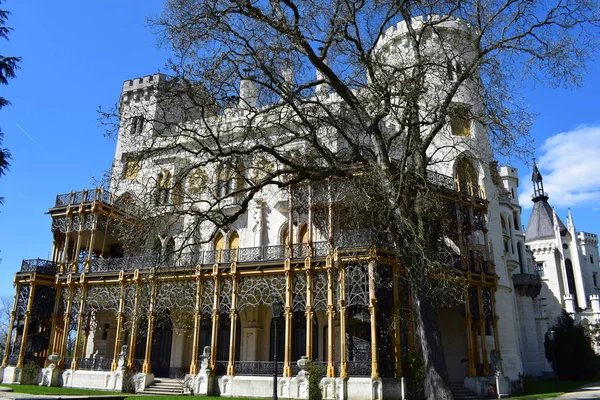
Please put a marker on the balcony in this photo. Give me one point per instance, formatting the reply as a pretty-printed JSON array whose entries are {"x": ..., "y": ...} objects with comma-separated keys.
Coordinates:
[
  {"x": 527, "y": 284},
  {"x": 39, "y": 266},
  {"x": 84, "y": 196}
]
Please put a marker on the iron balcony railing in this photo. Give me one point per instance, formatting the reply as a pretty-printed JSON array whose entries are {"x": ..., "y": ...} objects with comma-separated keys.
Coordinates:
[
  {"x": 40, "y": 266},
  {"x": 258, "y": 368},
  {"x": 83, "y": 196}
]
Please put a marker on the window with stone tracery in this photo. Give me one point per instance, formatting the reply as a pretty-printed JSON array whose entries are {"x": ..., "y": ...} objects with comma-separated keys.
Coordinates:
[
  {"x": 163, "y": 188},
  {"x": 466, "y": 176},
  {"x": 460, "y": 121}
]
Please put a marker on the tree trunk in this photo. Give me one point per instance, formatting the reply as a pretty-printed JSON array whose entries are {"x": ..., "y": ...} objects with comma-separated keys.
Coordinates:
[{"x": 437, "y": 381}]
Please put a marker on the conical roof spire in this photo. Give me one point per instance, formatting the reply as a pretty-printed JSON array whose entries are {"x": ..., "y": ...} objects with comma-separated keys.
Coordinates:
[{"x": 538, "y": 185}]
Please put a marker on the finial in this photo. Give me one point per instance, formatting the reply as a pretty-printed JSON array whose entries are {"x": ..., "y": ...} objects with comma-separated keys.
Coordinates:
[{"x": 538, "y": 184}]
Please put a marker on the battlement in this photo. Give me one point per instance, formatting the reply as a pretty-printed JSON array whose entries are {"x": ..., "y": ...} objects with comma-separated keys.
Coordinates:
[
  {"x": 396, "y": 32},
  {"x": 143, "y": 82},
  {"x": 509, "y": 172},
  {"x": 588, "y": 238}
]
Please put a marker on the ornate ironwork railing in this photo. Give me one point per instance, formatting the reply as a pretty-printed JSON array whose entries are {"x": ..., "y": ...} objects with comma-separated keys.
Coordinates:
[
  {"x": 84, "y": 196},
  {"x": 137, "y": 364},
  {"x": 67, "y": 362},
  {"x": 258, "y": 368},
  {"x": 358, "y": 368},
  {"x": 94, "y": 364},
  {"x": 221, "y": 367},
  {"x": 448, "y": 182},
  {"x": 40, "y": 266},
  {"x": 12, "y": 360},
  {"x": 356, "y": 239},
  {"x": 301, "y": 250},
  {"x": 320, "y": 249}
]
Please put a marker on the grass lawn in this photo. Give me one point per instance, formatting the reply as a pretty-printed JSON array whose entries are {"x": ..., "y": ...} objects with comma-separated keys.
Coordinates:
[
  {"x": 56, "y": 391},
  {"x": 546, "y": 388},
  {"x": 45, "y": 390}
]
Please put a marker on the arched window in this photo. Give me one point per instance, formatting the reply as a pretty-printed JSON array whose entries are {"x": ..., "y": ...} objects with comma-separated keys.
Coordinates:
[
  {"x": 571, "y": 280},
  {"x": 285, "y": 235},
  {"x": 169, "y": 253},
  {"x": 520, "y": 254},
  {"x": 197, "y": 181},
  {"x": 466, "y": 177},
  {"x": 505, "y": 234},
  {"x": 460, "y": 121},
  {"x": 219, "y": 243},
  {"x": 234, "y": 244},
  {"x": 303, "y": 235},
  {"x": 163, "y": 187},
  {"x": 229, "y": 179}
]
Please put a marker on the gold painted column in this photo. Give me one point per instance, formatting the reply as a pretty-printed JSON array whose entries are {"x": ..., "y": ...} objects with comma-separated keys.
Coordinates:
[
  {"x": 215, "y": 321},
  {"x": 75, "y": 266},
  {"x": 65, "y": 253},
  {"x": 57, "y": 300},
  {"x": 342, "y": 307},
  {"x": 469, "y": 327},
  {"x": 135, "y": 320},
  {"x": 287, "y": 350},
  {"x": 67, "y": 319},
  {"x": 484, "y": 356},
  {"x": 26, "y": 324},
  {"x": 88, "y": 262},
  {"x": 119, "y": 333},
  {"x": 86, "y": 335},
  {"x": 11, "y": 325},
  {"x": 233, "y": 321},
  {"x": 310, "y": 314},
  {"x": 397, "y": 345},
  {"x": 290, "y": 249},
  {"x": 373, "y": 310},
  {"x": 75, "y": 361},
  {"x": 330, "y": 320},
  {"x": 197, "y": 324},
  {"x": 311, "y": 250},
  {"x": 147, "y": 368}
]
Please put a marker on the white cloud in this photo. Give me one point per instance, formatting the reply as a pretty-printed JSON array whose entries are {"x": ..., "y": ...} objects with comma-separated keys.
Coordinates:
[{"x": 570, "y": 166}]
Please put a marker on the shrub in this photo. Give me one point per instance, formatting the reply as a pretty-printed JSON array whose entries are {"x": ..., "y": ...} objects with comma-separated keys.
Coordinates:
[
  {"x": 30, "y": 374},
  {"x": 315, "y": 374},
  {"x": 413, "y": 368}
]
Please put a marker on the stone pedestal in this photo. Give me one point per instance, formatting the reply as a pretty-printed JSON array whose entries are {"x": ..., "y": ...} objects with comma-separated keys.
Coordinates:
[{"x": 51, "y": 374}]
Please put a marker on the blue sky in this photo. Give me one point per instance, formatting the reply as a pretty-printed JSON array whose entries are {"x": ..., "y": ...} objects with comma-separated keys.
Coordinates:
[{"x": 76, "y": 55}]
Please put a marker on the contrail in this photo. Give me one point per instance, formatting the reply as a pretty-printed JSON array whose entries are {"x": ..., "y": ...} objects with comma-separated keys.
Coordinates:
[{"x": 30, "y": 138}]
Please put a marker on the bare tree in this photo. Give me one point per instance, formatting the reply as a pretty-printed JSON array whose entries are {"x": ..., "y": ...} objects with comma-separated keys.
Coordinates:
[
  {"x": 6, "y": 304},
  {"x": 246, "y": 112}
]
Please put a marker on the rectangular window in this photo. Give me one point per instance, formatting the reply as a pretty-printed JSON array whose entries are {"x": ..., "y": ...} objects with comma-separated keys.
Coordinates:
[
  {"x": 132, "y": 168},
  {"x": 137, "y": 125},
  {"x": 539, "y": 269},
  {"x": 460, "y": 121},
  {"x": 595, "y": 277}
]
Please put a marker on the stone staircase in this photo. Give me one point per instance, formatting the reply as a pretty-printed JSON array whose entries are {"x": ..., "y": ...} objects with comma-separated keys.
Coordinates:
[
  {"x": 165, "y": 387},
  {"x": 462, "y": 393}
]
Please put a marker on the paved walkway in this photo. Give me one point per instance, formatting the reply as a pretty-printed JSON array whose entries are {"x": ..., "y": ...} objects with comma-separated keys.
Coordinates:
[{"x": 589, "y": 391}]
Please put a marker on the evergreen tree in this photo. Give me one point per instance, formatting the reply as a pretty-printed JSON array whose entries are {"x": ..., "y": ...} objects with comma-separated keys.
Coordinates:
[
  {"x": 8, "y": 66},
  {"x": 575, "y": 358}
]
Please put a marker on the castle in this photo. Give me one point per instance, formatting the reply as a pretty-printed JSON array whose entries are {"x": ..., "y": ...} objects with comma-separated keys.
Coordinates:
[{"x": 178, "y": 306}]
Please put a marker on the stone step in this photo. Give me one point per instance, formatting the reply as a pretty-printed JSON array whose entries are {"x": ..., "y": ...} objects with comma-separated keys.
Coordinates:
[
  {"x": 462, "y": 393},
  {"x": 165, "y": 386}
]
